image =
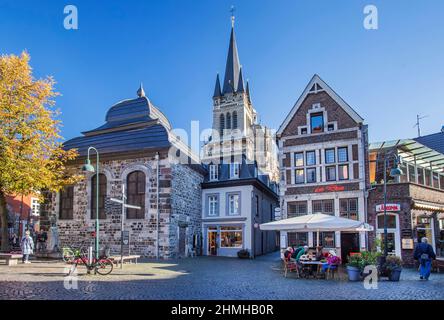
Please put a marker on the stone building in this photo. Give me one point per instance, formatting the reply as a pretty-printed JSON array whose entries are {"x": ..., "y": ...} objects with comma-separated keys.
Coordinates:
[
  {"x": 323, "y": 160},
  {"x": 236, "y": 131},
  {"x": 161, "y": 175},
  {"x": 415, "y": 200}
]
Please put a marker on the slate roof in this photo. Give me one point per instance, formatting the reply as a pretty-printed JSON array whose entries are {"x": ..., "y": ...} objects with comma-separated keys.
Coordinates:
[
  {"x": 434, "y": 141},
  {"x": 233, "y": 70},
  {"x": 247, "y": 171},
  {"x": 131, "y": 125}
]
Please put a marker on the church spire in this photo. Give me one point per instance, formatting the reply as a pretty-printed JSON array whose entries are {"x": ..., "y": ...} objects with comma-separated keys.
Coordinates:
[
  {"x": 248, "y": 91},
  {"x": 240, "y": 84},
  {"x": 217, "y": 92},
  {"x": 232, "y": 68}
]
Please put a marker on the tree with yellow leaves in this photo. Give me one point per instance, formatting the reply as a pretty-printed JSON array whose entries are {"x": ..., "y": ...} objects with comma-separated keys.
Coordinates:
[{"x": 31, "y": 153}]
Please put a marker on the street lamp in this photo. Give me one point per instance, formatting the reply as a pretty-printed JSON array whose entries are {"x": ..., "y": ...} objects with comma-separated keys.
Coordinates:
[
  {"x": 394, "y": 172},
  {"x": 87, "y": 167}
]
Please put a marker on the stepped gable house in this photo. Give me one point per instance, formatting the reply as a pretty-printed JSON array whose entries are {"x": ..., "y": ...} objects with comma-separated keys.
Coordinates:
[
  {"x": 323, "y": 148},
  {"x": 138, "y": 150}
]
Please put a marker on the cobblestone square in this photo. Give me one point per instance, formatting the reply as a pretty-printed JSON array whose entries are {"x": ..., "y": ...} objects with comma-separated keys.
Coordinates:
[{"x": 203, "y": 278}]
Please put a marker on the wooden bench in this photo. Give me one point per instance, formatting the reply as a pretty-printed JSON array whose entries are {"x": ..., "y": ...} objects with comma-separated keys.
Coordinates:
[
  {"x": 116, "y": 259},
  {"x": 438, "y": 264},
  {"x": 10, "y": 258}
]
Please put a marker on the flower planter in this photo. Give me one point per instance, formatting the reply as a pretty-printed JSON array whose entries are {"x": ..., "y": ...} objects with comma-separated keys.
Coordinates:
[
  {"x": 395, "y": 274},
  {"x": 354, "y": 274}
]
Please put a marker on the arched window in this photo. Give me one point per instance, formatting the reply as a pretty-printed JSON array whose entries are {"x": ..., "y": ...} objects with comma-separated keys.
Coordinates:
[
  {"x": 66, "y": 203},
  {"x": 228, "y": 120},
  {"x": 135, "y": 193},
  {"x": 234, "y": 119},
  {"x": 222, "y": 123},
  {"x": 102, "y": 196}
]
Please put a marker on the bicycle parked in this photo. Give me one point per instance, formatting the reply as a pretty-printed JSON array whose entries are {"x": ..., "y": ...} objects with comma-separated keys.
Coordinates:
[{"x": 102, "y": 266}]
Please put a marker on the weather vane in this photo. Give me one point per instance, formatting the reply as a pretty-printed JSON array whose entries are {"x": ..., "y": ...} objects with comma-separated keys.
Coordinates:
[{"x": 232, "y": 15}]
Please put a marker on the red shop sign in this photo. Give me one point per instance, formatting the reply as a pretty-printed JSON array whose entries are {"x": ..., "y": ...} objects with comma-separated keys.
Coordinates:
[{"x": 330, "y": 188}]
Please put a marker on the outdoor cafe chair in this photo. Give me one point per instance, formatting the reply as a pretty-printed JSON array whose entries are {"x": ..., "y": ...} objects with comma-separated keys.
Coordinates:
[{"x": 290, "y": 266}]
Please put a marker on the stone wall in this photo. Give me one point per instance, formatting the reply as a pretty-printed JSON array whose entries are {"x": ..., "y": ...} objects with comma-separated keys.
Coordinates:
[{"x": 143, "y": 232}]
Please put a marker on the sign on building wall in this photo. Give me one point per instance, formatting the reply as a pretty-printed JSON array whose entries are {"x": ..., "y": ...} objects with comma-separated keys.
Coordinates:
[
  {"x": 390, "y": 207},
  {"x": 407, "y": 244}
]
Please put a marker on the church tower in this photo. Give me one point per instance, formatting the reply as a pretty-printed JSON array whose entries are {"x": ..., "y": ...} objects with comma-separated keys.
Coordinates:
[{"x": 237, "y": 137}]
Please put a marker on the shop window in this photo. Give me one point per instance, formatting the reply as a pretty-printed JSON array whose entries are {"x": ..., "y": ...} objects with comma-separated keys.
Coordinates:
[
  {"x": 231, "y": 237},
  {"x": 330, "y": 156},
  {"x": 102, "y": 196},
  {"x": 299, "y": 159},
  {"x": 317, "y": 122},
  {"x": 296, "y": 209},
  {"x": 326, "y": 239},
  {"x": 136, "y": 194},
  {"x": 391, "y": 221},
  {"x": 311, "y": 158},
  {"x": 323, "y": 206},
  {"x": 299, "y": 176},
  {"x": 311, "y": 175},
  {"x": 66, "y": 203},
  {"x": 343, "y": 172},
  {"x": 330, "y": 173},
  {"x": 343, "y": 154},
  {"x": 297, "y": 239},
  {"x": 348, "y": 208}
]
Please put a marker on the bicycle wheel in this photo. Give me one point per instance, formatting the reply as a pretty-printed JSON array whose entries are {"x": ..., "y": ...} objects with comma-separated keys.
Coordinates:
[
  {"x": 68, "y": 255},
  {"x": 104, "y": 267}
]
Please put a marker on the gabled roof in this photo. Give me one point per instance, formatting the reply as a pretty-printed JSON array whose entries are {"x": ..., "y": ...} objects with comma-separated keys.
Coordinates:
[
  {"x": 318, "y": 84},
  {"x": 434, "y": 141}
]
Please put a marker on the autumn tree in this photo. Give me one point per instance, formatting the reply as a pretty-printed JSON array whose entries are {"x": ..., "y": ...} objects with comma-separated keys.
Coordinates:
[{"x": 31, "y": 153}]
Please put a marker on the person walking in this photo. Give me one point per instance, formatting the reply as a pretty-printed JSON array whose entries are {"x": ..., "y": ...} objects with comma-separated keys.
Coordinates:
[
  {"x": 424, "y": 254},
  {"x": 27, "y": 245}
]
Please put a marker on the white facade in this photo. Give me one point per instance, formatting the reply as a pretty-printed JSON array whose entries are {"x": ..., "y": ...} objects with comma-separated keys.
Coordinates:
[{"x": 219, "y": 223}]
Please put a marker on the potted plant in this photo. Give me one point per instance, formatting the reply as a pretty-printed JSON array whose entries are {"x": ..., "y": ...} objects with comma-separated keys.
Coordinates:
[
  {"x": 393, "y": 265},
  {"x": 369, "y": 258},
  {"x": 243, "y": 254},
  {"x": 354, "y": 267}
]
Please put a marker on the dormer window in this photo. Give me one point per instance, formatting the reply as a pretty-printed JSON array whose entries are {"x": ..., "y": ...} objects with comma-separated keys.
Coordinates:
[
  {"x": 331, "y": 127},
  {"x": 234, "y": 170},
  {"x": 214, "y": 174},
  {"x": 317, "y": 122}
]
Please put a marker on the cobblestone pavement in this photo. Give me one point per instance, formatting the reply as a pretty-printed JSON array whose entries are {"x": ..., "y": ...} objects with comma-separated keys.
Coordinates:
[{"x": 203, "y": 278}]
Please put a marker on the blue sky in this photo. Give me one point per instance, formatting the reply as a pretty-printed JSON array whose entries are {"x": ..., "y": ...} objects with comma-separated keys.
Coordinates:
[{"x": 176, "y": 48}]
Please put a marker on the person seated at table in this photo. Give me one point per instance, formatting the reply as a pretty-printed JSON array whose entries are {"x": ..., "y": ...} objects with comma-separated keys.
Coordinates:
[
  {"x": 300, "y": 251},
  {"x": 288, "y": 253}
]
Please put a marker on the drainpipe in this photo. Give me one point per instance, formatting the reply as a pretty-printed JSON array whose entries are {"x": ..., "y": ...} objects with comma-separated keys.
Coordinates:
[{"x": 157, "y": 206}]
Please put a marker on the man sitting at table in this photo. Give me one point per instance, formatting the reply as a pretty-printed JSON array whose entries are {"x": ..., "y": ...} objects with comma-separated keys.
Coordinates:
[{"x": 299, "y": 252}]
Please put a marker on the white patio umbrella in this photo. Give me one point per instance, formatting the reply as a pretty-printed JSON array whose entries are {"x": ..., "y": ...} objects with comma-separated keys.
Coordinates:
[{"x": 316, "y": 223}]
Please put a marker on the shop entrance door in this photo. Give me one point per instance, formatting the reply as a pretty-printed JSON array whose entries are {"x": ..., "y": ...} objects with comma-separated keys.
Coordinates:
[
  {"x": 349, "y": 243},
  {"x": 212, "y": 243}
]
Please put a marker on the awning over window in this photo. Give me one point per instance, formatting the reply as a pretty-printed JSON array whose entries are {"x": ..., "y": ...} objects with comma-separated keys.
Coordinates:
[{"x": 422, "y": 205}]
